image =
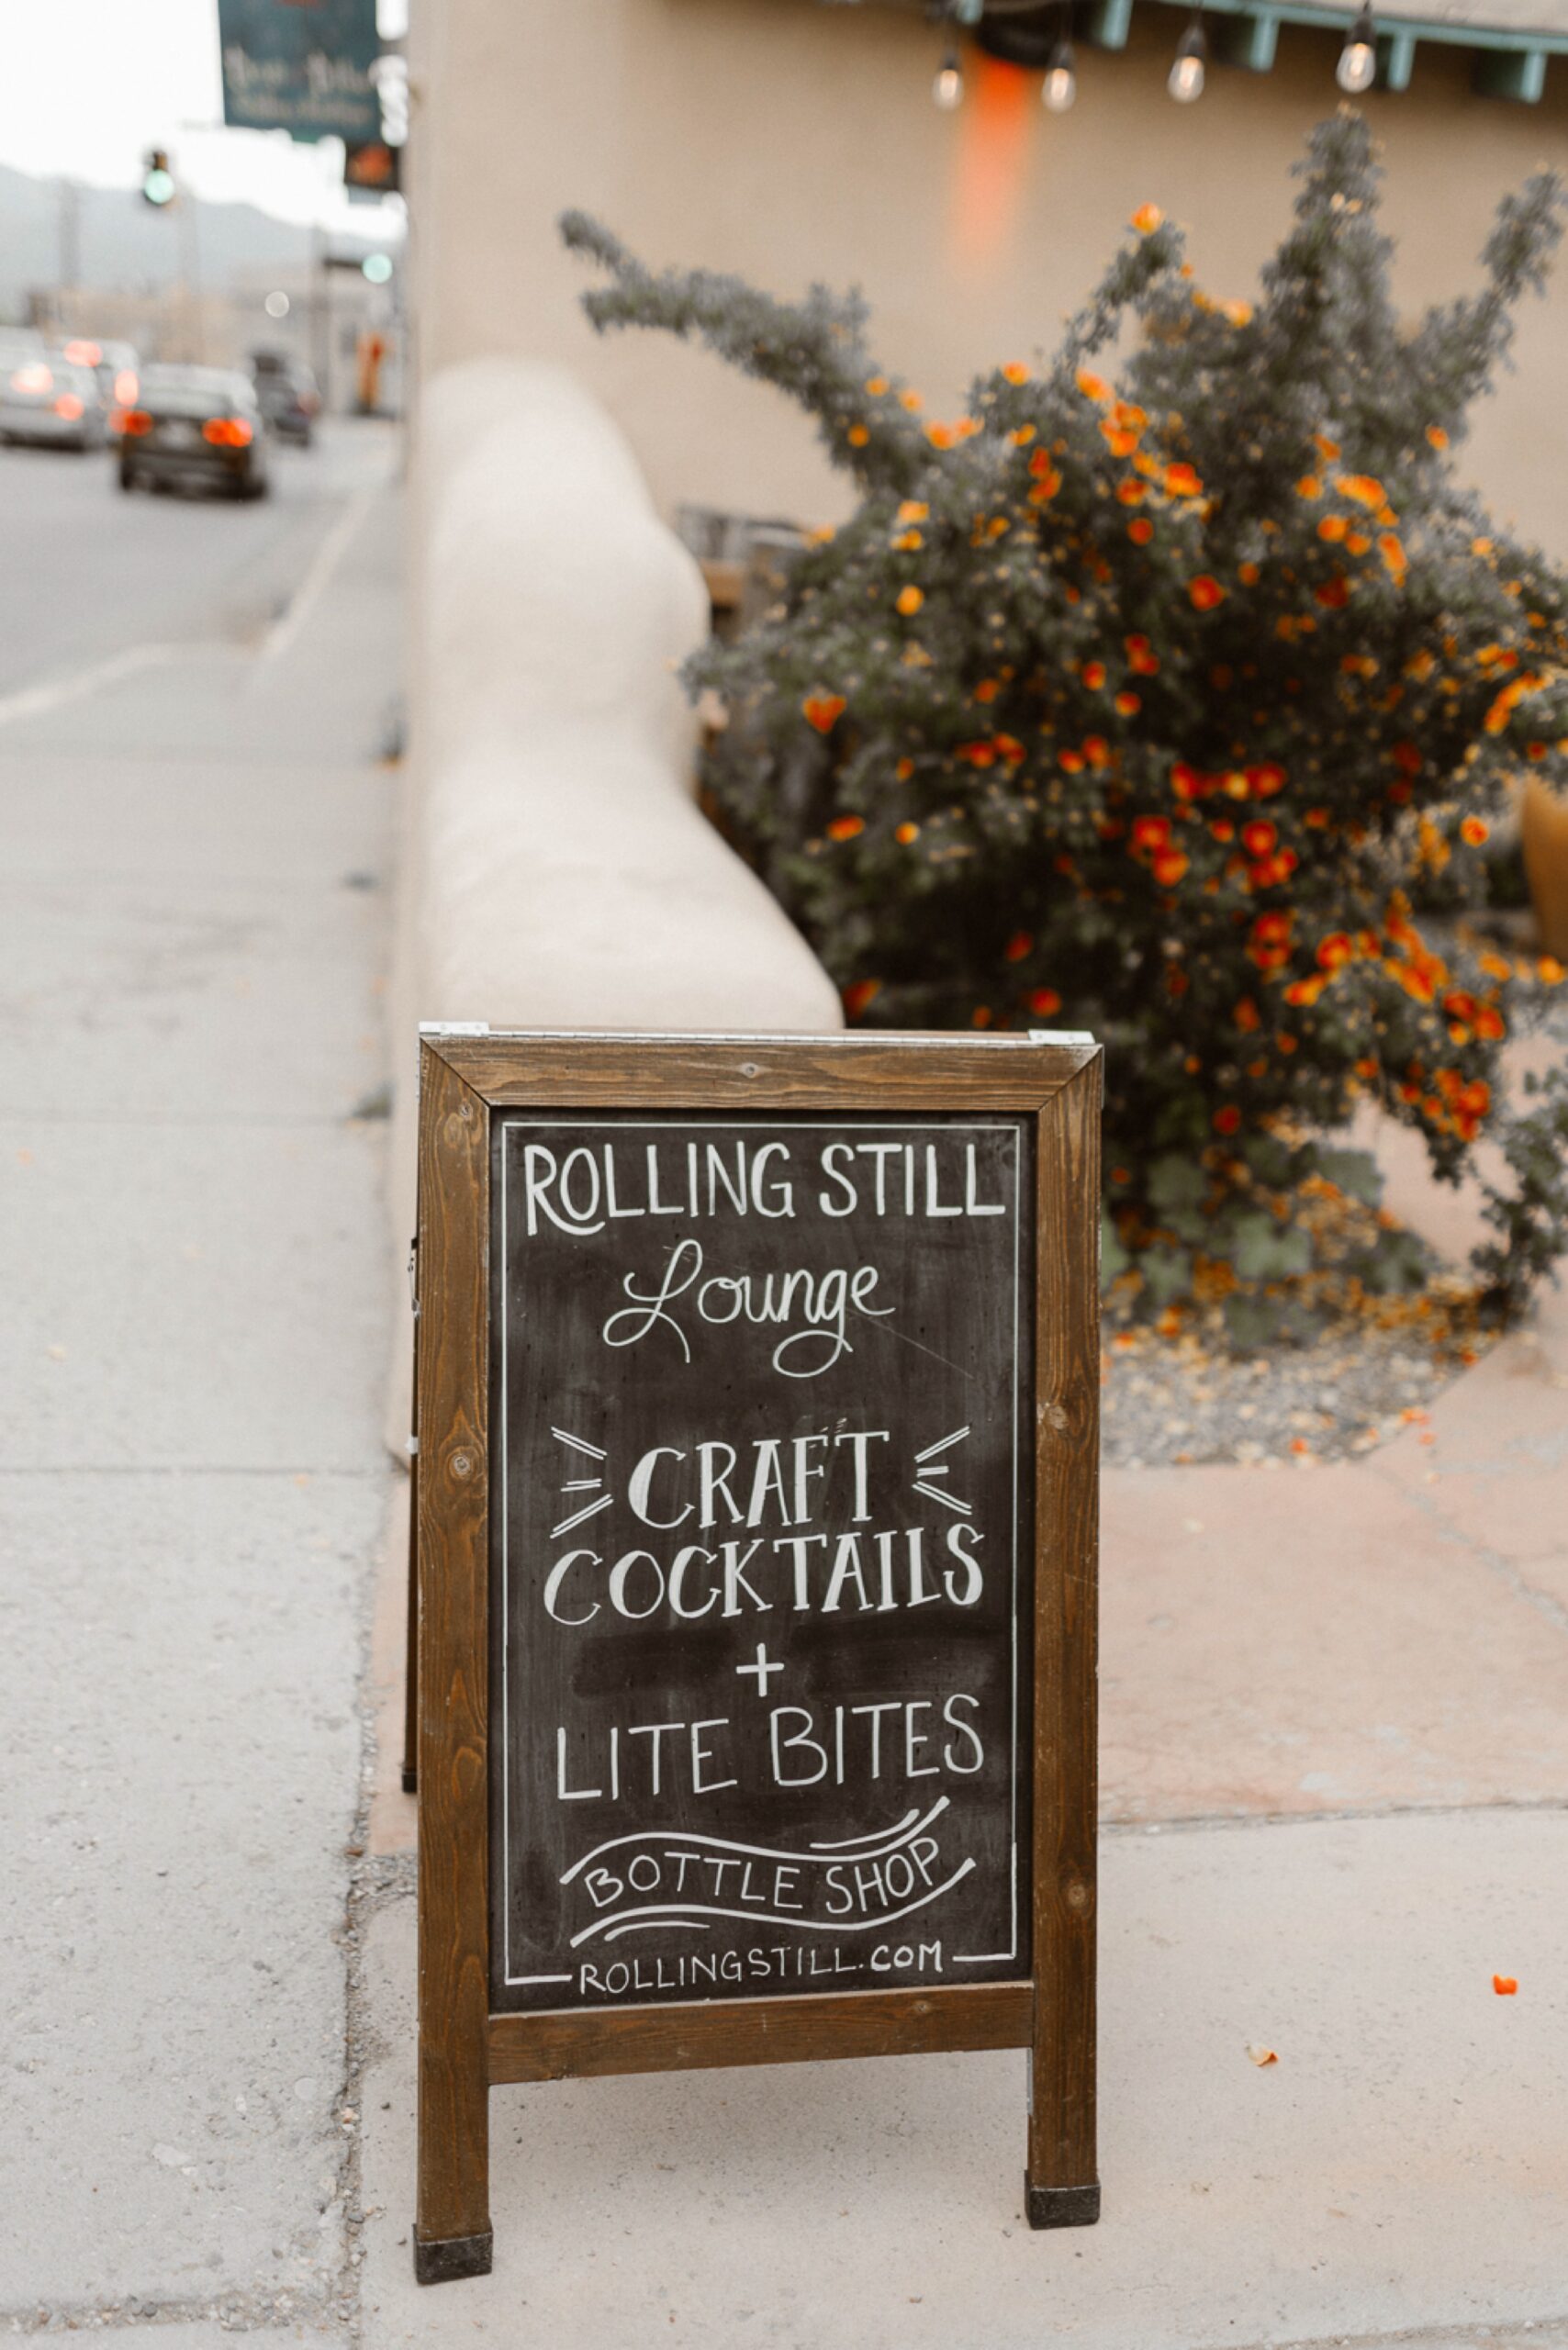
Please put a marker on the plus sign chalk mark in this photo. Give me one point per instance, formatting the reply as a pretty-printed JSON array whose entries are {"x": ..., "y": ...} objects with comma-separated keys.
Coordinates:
[{"x": 761, "y": 1668}]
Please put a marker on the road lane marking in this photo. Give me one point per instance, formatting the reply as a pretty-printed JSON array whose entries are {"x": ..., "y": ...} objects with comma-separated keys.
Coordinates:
[
  {"x": 329, "y": 554},
  {"x": 31, "y": 701}
]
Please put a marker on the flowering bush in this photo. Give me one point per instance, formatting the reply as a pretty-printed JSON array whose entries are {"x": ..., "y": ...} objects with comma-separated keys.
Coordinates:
[{"x": 1143, "y": 699}]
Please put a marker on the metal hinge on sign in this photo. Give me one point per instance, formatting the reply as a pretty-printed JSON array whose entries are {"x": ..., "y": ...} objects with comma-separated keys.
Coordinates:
[{"x": 413, "y": 1282}]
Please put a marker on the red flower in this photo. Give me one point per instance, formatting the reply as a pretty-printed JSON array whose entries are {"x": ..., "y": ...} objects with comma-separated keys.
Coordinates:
[
  {"x": 1018, "y": 945},
  {"x": 1151, "y": 831},
  {"x": 1258, "y": 839},
  {"x": 1227, "y": 1121},
  {"x": 845, "y": 828},
  {"x": 823, "y": 711},
  {"x": 1045, "y": 1001},
  {"x": 1206, "y": 592},
  {"x": 859, "y": 995}
]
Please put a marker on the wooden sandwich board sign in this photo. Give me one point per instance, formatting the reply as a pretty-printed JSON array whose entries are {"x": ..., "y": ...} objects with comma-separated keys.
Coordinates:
[{"x": 756, "y": 1454}]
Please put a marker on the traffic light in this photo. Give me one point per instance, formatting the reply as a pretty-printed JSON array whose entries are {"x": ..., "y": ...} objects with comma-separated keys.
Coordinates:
[{"x": 157, "y": 179}]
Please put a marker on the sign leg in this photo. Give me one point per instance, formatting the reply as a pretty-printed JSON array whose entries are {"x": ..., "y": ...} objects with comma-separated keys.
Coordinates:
[{"x": 411, "y": 1659}]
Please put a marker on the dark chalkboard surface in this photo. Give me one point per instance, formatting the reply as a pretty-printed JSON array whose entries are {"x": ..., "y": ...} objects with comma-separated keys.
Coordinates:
[
  {"x": 761, "y": 1553},
  {"x": 755, "y": 1572}
]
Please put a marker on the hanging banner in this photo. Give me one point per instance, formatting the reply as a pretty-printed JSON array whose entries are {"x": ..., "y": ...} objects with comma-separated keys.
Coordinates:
[{"x": 303, "y": 66}]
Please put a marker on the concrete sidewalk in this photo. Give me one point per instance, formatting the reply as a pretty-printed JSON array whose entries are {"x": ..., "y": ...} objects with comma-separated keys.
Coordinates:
[
  {"x": 191, "y": 1474},
  {"x": 1335, "y": 1763}
]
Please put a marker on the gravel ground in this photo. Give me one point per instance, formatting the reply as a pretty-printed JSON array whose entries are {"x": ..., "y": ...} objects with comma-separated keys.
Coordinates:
[{"x": 1183, "y": 1396}]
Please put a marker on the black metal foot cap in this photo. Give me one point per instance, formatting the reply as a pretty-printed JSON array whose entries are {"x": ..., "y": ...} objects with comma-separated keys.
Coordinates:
[
  {"x": 1062, "y": 2207},
  {"x": 411, "y": 1780},
  {"x": 448, "y": 2256}
]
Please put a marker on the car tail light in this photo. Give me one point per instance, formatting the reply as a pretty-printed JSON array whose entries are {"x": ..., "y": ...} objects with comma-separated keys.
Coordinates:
[
  {"x": 126, "y": 385},
  {"x": 226, "y": 432},
  {"x": 85, "y": 354},
  {"x": 32, "y": 379},
  {"x": 68, "y": 407},
  {"x": 130, "y": 420}
]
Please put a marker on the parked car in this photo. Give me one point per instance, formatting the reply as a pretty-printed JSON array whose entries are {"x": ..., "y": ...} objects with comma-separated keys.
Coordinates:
[
  {"x": 287, "y": 394},
  {"x": 194, "y": 425},
  {"x": 116, "y": 364},
  {"x": 45, "y": 396}
]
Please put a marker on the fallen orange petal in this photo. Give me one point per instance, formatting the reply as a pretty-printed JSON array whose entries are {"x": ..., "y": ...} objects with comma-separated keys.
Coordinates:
[
  {"x": 1260, "y": 2054},
  {"x": 1504, "y": 1986}
]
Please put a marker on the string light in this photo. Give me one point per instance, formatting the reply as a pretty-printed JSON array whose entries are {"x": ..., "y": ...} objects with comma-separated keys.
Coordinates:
[
  {"x": 948, "y": 86},
  {"x": 1357, "y": 69},
  {"x": 1186, "y": 80},
  {"x": 1060, "y": 86}
]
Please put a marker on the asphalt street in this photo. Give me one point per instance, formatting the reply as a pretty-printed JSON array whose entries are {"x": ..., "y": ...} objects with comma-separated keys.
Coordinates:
[
  {"x": 195, "y": 813},
  {"x": 88, "y": 570}
]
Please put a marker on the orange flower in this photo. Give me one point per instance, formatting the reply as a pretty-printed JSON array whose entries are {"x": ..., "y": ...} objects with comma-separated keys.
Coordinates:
[
  {"x": 1363, "y": 488},
  {"x": 859, "y": 995},
  {"x": 1147, "y": 218},
  {"x": 1045, "y": 1001},
  {"x": 1474, "y": 829},
  {"x": 905, "y": 769},
  {"x": 906, "y": 833},
  {"x": 1140, "y": 531},
  {"x": 823, "y": 711},
  {"x": 876, "y": 385},
  {"x": 913, "y": 509},
  {"x": 912, "y": 400},
  {"x": 1249, "y": 574},
  {"x": 1227, "y": 1121},
  {"x": 909, "y": 600},
  {"x": 845, "y": 828},
  {"x": 1327, "y": 449},
  {"x": 1335, "y": 951},
  {"x": 1266, "y": 780},
  {"x": 1139, "y": 657},
  {"x": 1309, "y": 486},
  {"x": 1334, "y": 593},
  {"x": 1018, "y": 945},
  {"x": 1094, "y": 675},
  {"x": 1015, "y": 372},
  {"x": 1392, "y": 553},
  {"x": 1437, "y": 436},
  {"x": 1185, "y": 780},
  {"x": 1021, "y": 438},
  {"x": 1132, "y": 492},
  {"x": 1550, "y": 971},
  {"x": 858, "y": 436},
  {"x": 1306, "y": 992},
  {"x": 1182, "y": 481},
  {"x": 1333, "y": 526},
  {"x": 1151, "y": 831},
  {"x": 1206, "y": 592},
  {"x": 987, "y": 690},
  {"x": 1047, "y": 487},
  {"x": 1238, "y": 313},
  {"x": 1093, "y": 388},
  {"x": 1169, "y": 867},
  {"x": 1120, "y": 441},
  {"x": 1247, "y": 1014},
  {"x": 1128, "y": 704},
  {"x": 1258, "y": 839}
]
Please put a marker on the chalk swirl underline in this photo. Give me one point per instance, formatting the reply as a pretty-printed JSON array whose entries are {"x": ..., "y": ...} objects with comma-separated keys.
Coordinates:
[
  {"x": 817, "y": 1855},
  {"x": 684, "y": 1913}
]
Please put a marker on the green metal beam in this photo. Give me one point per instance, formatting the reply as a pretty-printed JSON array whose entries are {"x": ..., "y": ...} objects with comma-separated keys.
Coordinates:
[
  {"x": 1395, "y": 57},
  {"x": 1110, "y": 22},
  {"x": 1517, "y": 74},
  {"x": 1251, "y": 41}
]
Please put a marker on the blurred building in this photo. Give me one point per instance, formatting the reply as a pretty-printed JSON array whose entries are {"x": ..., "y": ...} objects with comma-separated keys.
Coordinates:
[{"x": 790, "y": 140}]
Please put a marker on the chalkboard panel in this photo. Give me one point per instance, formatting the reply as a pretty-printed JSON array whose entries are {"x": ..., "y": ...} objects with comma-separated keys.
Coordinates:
[{"x": 761, "y": 1553}]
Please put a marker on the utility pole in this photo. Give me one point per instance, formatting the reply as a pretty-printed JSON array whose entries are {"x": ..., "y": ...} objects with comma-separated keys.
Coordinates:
[{"x": 69, "y": 270}]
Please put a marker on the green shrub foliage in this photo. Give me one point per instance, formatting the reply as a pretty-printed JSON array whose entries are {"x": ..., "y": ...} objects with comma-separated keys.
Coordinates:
[{"x": 1143, "y": 697}]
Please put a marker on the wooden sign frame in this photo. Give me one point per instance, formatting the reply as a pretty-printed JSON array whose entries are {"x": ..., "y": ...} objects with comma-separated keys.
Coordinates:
[{"x": 463, "y": 2049}]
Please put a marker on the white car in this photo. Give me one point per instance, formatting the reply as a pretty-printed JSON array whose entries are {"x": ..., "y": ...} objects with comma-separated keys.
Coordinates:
[{"x": 46, "y": 397}]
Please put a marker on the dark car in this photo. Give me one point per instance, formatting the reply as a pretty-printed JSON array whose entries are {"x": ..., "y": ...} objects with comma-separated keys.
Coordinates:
[
  {"x": 196, "y": 425},
  {"x": 287, "y": 395}
]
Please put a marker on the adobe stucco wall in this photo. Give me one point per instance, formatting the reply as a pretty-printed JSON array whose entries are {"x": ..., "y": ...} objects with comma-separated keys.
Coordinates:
[{"x": 790, "y": 140}]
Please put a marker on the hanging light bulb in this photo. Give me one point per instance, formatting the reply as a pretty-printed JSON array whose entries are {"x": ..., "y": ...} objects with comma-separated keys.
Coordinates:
[
  {"x": 1061, "y": 84},
  {"x": 948, "y": 86},
  {"x": 1357, "y": 69},
  {"x": 1186, "y": 80}
]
